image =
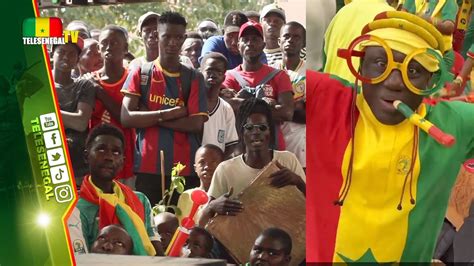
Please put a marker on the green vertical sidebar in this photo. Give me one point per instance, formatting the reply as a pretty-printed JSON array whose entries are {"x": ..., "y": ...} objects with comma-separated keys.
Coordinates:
[{"x": 36, "y": 190}]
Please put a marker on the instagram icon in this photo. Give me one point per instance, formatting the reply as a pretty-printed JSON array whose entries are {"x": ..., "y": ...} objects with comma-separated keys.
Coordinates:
[{"x": 63, "y": 193}]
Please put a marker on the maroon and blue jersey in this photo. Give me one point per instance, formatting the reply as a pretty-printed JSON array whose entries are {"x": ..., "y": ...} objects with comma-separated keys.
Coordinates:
[{"x": 166, "y": 91}]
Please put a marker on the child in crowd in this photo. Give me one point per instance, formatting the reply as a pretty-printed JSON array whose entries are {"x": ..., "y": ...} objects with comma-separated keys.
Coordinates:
[
  {"x": 208, "y": 157},
  {"x": 166, "y": 224},
  {"x": 272, "y": 247},
  {"x": 220, "y": 128},
  {"x": 113, "y": 239},
  {"x": 199, "y": 243}
]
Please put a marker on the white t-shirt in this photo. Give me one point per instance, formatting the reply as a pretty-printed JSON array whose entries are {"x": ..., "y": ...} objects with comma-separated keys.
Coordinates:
[
  {"x": 295, "y": 133},
  {"x": 220, "y": 128},
  {"x": 237, "y": 174}
]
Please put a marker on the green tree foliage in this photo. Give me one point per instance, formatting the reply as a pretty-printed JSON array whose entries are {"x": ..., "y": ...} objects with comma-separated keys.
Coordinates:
[{"x": 126, "y": 15}]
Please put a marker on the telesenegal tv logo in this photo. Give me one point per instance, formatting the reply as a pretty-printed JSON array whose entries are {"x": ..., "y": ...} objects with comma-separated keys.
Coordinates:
[{"x": 38, "y": 31}]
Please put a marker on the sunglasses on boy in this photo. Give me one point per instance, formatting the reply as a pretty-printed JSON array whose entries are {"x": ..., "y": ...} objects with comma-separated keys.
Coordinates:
[{"x": 261, "y": 127}]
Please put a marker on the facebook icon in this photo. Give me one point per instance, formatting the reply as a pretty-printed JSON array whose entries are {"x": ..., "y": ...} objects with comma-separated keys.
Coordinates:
[{"x": 52, "y": 139}]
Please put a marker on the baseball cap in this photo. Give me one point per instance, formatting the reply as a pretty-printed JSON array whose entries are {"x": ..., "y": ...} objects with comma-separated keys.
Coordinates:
[
  {"x": 233, "y": 20},
  {"x": 250, "y": 24},
  {"x": 272, "y": 8},
  {"x": 146, "y": 16}
]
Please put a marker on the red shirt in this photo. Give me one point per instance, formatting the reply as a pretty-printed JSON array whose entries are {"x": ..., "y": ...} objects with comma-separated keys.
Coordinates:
[
  {"x": 101, "y": 115},
  {"x": 280, "y": 83}
]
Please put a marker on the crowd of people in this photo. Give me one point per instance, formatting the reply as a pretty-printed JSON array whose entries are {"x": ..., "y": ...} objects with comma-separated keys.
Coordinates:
[
  {"x": 209, "y": 101},
  {"x": 388, "y": 120}
]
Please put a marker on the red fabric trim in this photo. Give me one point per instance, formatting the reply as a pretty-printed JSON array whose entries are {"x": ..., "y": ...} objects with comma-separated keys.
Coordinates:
[
  {"x": 106, "y": 211},
  {"x": 328, "y": 128}
]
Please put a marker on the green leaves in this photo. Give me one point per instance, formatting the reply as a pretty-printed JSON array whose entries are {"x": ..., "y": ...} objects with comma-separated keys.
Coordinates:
[{"x": 177, "y": 184}]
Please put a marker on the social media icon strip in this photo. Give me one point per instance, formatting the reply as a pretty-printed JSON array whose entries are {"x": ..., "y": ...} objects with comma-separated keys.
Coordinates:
[
  {"x": 63, "y": 193},
  {"x": 55, "y": 156},
  {"x": 52, "y": 139},
  {"x": 48, "y": 121},
  {"x": 59, "y": 174}
]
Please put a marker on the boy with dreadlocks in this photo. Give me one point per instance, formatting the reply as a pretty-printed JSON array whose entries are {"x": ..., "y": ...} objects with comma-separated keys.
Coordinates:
[
  {"x": 255, "y": 126},
  {"x": 381, "y": 185}
]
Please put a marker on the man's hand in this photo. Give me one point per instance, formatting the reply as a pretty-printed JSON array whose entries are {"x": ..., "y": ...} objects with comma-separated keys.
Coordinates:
[
  {"x": 227, "y": 93},
  {"x": 243, "y": 94},
  {"x": 225, "y": 206},
  {"x": 270, "y": 101},
  {"x": 285, "y": 177},
  {"x": 99, "y": 91}
]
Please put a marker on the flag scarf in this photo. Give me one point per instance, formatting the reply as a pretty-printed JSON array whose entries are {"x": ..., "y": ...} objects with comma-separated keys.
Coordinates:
[
  {"x": 368, "y": 227},
  {"x": 42, "y": 27},
  {"x": 123, "y": 207}
]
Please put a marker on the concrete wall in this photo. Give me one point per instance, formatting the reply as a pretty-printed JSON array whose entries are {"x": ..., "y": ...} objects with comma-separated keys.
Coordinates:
[{"x": 295, "y": 10}]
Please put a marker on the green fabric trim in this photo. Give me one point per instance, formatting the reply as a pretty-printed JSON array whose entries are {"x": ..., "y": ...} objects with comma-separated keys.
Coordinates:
[
  {"x": 90, "y": 225},
  {"x": 325, "y": 57},
  {"x": 449, "y": 10},
  {"x": 345, "y": 82},
  {"x": 439, "y": 169},
  {"x": 138, "y": 247}
]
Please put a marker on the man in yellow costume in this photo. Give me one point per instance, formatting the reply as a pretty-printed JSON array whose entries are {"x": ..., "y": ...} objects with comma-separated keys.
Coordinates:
[{"x": 381, "y": 173}]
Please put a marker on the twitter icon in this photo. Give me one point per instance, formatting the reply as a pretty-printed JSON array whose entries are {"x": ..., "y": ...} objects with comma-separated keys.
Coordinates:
[{"x": 55, "y": 156}]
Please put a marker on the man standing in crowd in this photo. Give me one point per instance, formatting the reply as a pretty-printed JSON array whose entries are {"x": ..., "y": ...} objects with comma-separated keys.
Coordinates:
[
  {"x": 220, "y": 128},
  {"x": 168, "y": 106},
  {"x": 192, "y": 47},
  {"x": 272, "y": 18},
  {"x": 113, "y": 44},
  {"x": 276, "y": 90},
  {"x": 292, "y": 40},
  {"x": 76, "y": 100},
  {"x": 146, "y": 27},
  {"x": 227, "y": 44},
  {"x": 207, "y": 28}
]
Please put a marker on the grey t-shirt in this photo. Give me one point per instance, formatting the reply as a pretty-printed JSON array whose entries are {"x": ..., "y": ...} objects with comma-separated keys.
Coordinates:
[{"x": 69, "y": 97}]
